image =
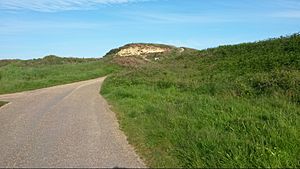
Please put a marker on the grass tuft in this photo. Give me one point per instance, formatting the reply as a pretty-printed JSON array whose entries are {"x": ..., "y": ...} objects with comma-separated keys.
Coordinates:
[{"x": 2, "y": 103}]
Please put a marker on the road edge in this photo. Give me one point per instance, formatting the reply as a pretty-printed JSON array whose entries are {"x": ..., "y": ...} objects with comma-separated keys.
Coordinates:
[{"x": 109, "y": 109}]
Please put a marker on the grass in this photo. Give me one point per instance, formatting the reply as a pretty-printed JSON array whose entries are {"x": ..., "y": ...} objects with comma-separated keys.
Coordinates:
[
  {"x": 18, "y": 75},
  {"x": 231, "y": 106},
  {"x": 2, "y": 103}
]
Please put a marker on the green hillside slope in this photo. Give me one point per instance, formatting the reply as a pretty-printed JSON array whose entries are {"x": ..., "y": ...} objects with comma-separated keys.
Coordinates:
[{"x": 231, "y": 106}]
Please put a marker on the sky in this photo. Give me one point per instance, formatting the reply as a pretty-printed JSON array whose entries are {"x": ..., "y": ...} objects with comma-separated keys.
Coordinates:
[{"x": 90, "y": 28}]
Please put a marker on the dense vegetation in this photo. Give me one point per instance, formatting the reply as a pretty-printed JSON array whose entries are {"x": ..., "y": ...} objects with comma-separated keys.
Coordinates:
[
  {"x": 19, "y": 75},
  {"x": 231, "y": 106}
]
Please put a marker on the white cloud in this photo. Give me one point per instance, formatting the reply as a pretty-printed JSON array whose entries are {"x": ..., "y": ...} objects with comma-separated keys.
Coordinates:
[{"x": 57, "y": 5}]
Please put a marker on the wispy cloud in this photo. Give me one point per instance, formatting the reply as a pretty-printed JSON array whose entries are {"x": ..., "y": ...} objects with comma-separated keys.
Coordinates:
[
  {"x": 165, "y": 17},
  {"x": 287, "y": 14},
  {"x": 288, "y": 4},
  {"x": 13, "y": 27},
  {"x": 57, "y": 5}
]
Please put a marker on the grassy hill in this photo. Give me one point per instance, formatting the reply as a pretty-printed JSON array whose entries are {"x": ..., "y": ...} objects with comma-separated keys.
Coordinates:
[
  {"x": 21, "y": 75},
  {"x": 231, "y": 106}
]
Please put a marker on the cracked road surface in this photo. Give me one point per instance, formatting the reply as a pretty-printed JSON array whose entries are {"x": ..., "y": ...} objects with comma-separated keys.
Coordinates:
[{"x": 62, "y": 126}]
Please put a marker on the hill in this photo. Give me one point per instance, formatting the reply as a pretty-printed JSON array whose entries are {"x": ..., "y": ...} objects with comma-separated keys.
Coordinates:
[
  {"x": 137, "y": 54},
  {"x": 139, "y": 49},
  {"x": 231, "y": 106},
  {"x": 22, "y": 75}
]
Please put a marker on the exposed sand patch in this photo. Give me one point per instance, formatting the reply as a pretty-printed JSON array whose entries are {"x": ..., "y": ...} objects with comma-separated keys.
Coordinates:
[{"x": 139, "y": 50}]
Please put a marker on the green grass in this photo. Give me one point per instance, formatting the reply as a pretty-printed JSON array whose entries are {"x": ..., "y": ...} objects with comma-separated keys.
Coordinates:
[
  {"x": 231, "y": 106},
  {"x": 17, "y": 75},
  {"x": 2, "y": 103}
]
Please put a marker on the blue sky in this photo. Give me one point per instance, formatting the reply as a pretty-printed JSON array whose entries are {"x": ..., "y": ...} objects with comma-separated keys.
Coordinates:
[{"x": 90, "y": 28}]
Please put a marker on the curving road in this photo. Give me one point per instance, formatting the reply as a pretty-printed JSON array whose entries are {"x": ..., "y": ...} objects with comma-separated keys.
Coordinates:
[{"x": 63, "y": 126}]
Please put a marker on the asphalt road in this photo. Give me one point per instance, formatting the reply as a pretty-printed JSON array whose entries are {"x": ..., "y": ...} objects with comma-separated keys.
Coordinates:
[{"x": 63, "y": 126}]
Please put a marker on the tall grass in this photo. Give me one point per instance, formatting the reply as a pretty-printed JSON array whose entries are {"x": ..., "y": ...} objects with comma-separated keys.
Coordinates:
[{"x": 231, "y": 106}]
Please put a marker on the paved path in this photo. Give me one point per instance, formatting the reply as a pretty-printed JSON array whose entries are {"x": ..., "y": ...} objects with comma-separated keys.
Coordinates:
[{"x": 63, "y": 126}]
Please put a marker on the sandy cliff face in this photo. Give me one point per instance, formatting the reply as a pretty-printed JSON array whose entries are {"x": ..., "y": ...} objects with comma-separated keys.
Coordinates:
[{"x": 139, "y": 50}]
